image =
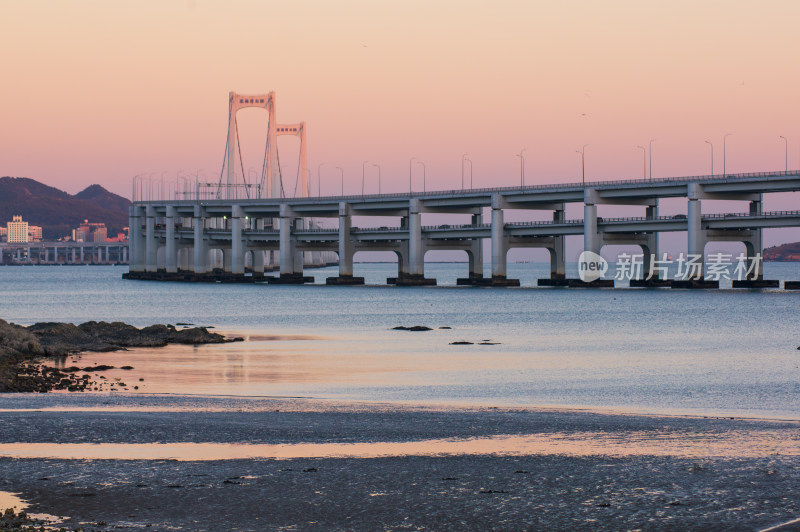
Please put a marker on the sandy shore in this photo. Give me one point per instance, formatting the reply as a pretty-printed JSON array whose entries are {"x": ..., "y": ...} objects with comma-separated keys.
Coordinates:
[{"x": 693, "y": 482}]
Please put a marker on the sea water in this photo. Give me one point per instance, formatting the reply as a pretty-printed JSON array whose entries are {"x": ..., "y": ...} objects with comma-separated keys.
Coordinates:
[{"x": 698, "y": 352}]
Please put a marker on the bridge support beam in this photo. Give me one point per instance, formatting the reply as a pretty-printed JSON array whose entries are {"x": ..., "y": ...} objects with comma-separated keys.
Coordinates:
[
  {"x": 754, "y": 248},
  {"x": 650, "y": 257},
  {"x": 135, "y": 239},
  {"x": 346, "y": 250},
  {"x": 475, "y": 259},
  {"x": 499, "y": 246},
  {"x": 237, "y": 244},
  {"x": 258, "y": 262},
  {"x": 696, "y": 242},
  {"x": 416, "y": 250},
  {"x": 151, "y": 244},
  {"x": 171, "y": 251},
  {"x": 200, "y": 266},
  {"x": 288, "y": 251}
]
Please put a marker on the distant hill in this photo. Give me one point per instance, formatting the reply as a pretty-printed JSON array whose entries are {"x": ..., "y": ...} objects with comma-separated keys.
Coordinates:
[
  {"x": 58, "y": 212},
  {"x": 784, "y": 253}
]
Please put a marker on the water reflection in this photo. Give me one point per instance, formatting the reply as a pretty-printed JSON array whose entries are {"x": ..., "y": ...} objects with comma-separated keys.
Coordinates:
[{"x": 734, "y": 444}]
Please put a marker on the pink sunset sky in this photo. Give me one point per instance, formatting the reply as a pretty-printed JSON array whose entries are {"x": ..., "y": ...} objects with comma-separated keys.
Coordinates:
[{"x": 98, "y": 91}]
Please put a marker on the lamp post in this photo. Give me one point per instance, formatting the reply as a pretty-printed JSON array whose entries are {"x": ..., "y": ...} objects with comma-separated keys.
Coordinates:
[
  {"x": 583, "y": 163},
  {"x": 341, "y": 174},
  {"x": 521, "y": 167},
  {"x": 363, "y": 172},
  {"x": 651, "y": 158},
  {"x": 712, "y": 156},
  {"x": 379, "y": 176},
  {"x": 319, "y": 167},
  {"x": 463, "y": 158},
  {"x": 724, "y": 155},
  {"x": 786, "y": 156},
  {"x": 424, "y": 172},
  {"x": 644, "y": 161},
  {"x": 409, "y": 173},
  {"x": 470, "y": 172}
]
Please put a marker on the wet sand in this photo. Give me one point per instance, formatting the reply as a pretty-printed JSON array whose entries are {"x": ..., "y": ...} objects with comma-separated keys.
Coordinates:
[{"x": 409, "y": 468}]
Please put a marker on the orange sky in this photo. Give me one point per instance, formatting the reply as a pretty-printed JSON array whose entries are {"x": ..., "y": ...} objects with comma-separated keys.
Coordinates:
[{"x": 97, "y": 91}]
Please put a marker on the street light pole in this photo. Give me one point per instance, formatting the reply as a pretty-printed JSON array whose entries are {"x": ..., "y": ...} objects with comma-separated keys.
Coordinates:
[
  {"x": 409, "y": 173},
  {"x": 379, "y": 176},
  {"x": 463, "y": 158},
  {"x": 724, "y": 155},
  {"x": 424, "y": 172},
  {"x": 319, "y": 166},
  {"x": 363, "y": 171},
  {"x": 521, "y": 167},
  {"x": 712, "y": 156},
  {"x": 341, "y": 173},
  {"x": 644, "y": 161},
  {"x": 651, "y": 158},
  {"x": 470, "y": 172},
  {"x": 583, "y": 163},
  {"x": 786, "y": 142}
]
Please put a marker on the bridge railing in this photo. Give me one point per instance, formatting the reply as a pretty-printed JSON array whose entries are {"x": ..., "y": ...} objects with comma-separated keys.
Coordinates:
[{"x": 208, "y": 195}]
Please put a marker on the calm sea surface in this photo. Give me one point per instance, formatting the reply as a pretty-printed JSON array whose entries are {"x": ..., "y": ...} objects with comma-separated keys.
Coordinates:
[{"x": 724, "y": 352}]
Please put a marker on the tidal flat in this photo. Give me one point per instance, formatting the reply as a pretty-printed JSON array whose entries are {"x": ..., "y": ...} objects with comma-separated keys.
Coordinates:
[{"x": 388, "y": 466}]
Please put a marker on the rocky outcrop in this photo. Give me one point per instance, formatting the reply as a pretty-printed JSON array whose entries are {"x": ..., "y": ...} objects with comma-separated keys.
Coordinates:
[{"x": 20, "y": 345}]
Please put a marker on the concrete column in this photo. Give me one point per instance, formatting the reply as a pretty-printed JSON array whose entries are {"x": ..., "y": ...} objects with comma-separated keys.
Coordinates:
[
  {"x": 475, "y": 253},
  {"x": 151, "y": 244},
  {"x": 652, "y": 243},
  {"x": 200, "y": 247},
  {"x": 46, "y": 254},
  {"x": 135, "y": 239},
  {"x": 258, "y": 262},
  {"x": 346, "y": 250},
  {"x": 402, "y": 260},
  {"x": 83, "y": 260},
  {"x": 227, "y": 262},
  {"x": 299, "y": 256},
  {"x": 499, "y": 249},
  {"x": 696, "y": 238},
  {"x": 237, "y": 244},
  {"x": 558, "y": 269},
  {"x": 287, "y": 242},
  {"x": 754, "y": 246},
  {"x": 171, "y": 251},
  {"x": 591, "y": 238},
  {"x": 415, "y": 248},
  {"x": 124, "y": 254}
]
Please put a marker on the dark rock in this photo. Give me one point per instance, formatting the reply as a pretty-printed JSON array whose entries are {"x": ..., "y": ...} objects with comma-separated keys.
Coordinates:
[
  {"x": 461, "y": 342},
  {"x": 414, "y": 328},
  {"x": 445, "y": 327}
]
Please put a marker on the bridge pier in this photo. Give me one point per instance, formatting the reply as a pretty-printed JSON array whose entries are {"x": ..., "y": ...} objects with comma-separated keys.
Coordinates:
[
  {"x": 289, "y": 273},
  {"x": 151, "y": 243},
  {"x": 474, "y": 259},
  {"x": 237, "y": 244},
  {"x": 416, "y": 250},
  {"x": 499, "y": 247},
  {"x": 171, "y": 252},
  {"x": 200, "y": 246},
  {"x": 346, "y": 250}
]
